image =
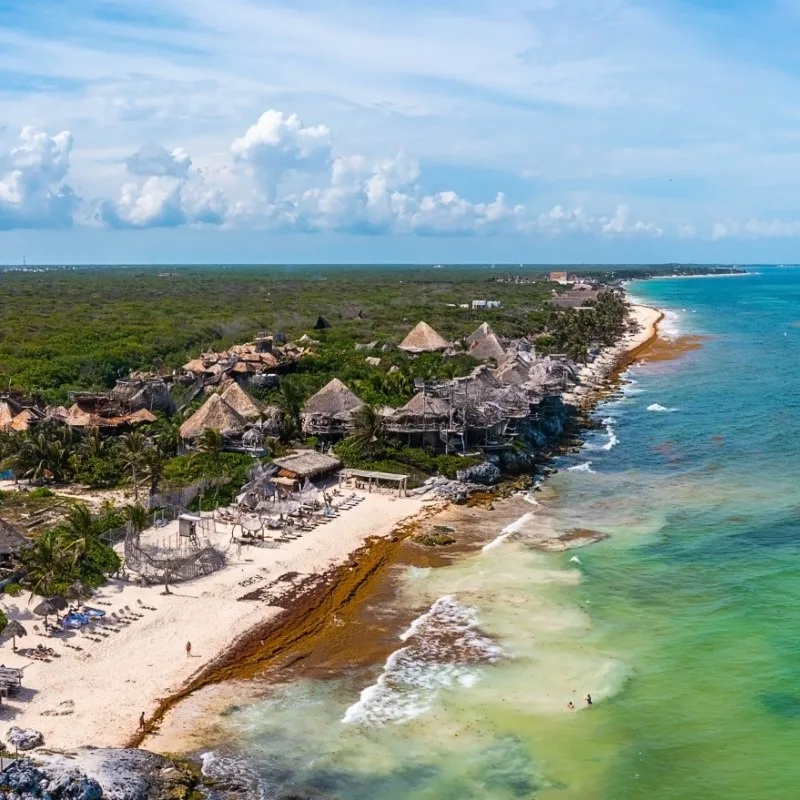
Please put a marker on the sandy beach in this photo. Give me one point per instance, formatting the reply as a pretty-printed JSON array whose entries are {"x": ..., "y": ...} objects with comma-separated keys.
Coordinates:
[
  {"x": 593, "y": 377},
  {"x": 100, "y": 681},
  {"x": 95, "y": 695}
]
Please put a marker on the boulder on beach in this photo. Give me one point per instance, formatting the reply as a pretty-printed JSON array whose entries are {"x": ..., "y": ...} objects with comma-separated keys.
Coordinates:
[
  {"x": 24, "y": 780},
  {"x": 24, "y": 738}
]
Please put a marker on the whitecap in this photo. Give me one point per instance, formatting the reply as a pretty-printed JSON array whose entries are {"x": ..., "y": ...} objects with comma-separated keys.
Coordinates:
[
  {"x": 444, "y": 649},
  {"x": 659, "y": 407},
  {"x": 509, "y": 530},
  {"x": 586, "y": 467}
]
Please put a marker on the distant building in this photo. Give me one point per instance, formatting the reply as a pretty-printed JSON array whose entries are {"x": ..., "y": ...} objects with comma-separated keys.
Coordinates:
[
  {"x": 479, "y": 304},
  {"x": 559, "y": 277}
]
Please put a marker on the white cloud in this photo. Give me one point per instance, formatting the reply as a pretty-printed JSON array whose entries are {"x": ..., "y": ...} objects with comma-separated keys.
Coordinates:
[
  {"x": 719, "y": 232},
  {"x": 620, "y": 224},
  {"x": 172, "y": 194},
  {"x": 277, "y": 144},
  {"x": 33, "y": 193},
  {"x": 155, "y": 160}
]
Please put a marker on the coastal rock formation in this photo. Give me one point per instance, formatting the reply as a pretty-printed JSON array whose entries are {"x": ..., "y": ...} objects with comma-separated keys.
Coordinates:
[
  {"x": 486, "y": 474},
  {"x": 24, "y": 738},
  {"x": 23, "y": 780}
]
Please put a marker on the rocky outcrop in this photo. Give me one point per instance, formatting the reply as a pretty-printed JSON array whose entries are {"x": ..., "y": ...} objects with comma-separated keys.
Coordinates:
[
  {"x": 485, "y": 474},
  {"x": 24, "y": 780},
  {"x": 24, "y": 738}
]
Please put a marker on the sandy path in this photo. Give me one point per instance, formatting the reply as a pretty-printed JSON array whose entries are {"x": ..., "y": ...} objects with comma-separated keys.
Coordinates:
[{"x": 95, "y": 695}]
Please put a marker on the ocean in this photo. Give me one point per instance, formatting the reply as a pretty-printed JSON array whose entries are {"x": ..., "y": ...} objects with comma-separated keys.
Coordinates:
[{"x": 682, "y": 624}]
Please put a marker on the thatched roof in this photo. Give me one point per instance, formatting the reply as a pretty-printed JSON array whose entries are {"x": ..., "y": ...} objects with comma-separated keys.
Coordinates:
[
  {"x": 307, "y": 464},
  {"x": 480, "y": 333},
  {"x": 333, "y": 398},
  {"x": 7, "y": 414},
  {"x": 241, "y": 402},
  {"x": 321, "y": 324},
  {"x": 513, "y": 371},
  {"x": 23, "y": 420},
  {"x": 421, "y": 404},
  {"x": 214, "y": 414},
  {"x": 140, "y": 417},
  {"x": 196, "y": 366},
  {"x": 12, "y": 539},
  {"x": 487, "y": 347},
  {"x": 423, "y": 339}
]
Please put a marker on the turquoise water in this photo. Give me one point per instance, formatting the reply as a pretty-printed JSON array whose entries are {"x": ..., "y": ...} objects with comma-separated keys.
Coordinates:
[{"x": 683, "y": 625}]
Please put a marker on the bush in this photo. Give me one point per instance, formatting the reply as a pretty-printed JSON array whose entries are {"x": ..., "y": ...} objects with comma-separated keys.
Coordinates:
[
  {"x": 3, "y": 621},
  {"x": 13, "y": 590},
  {"x": 41, "y": 492}
]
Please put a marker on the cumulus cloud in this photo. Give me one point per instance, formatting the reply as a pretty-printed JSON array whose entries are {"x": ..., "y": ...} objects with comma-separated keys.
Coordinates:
[
  {"x": 33, "y": 192},
  {"x": 620, "y": 224},
  {"x": 172, "y": 194},
  {"x": 719, "y": 232},
  {"x": 278, "y": 144},
  {"x": 155, "y": 160}
]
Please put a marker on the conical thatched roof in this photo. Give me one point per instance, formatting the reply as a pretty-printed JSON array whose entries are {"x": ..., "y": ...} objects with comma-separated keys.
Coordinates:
[
  {"x": 196, "y": 366},
  {"x": 333, "y": 398},
  {"x": 423, "y": 339},
  {"x": 12, "y": 539},
  {"x": 486, "y": 348},
  {"x": 480, "y": 333},
  {"x": 214, "y": 413},
  {"x": 7, "y": 415},
  {"x": 321, "y": 324},
  {"x": 241, "y": 402}
]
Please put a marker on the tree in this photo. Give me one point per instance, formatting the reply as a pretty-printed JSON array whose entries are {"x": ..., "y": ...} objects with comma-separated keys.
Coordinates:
[
  {"x": 137, "y": 517},
  {"x": 133, "y": 448},
  {"x": 290, "y": 401},
  {"x": 369, "y": 432},
  {"x": 49, "y": 566}
]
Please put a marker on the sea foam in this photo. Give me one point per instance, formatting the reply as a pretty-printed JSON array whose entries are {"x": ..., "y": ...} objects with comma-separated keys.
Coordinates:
[
  {"x": 660, "y": 408},
  {"x": 586, "y": 467},
  {"x": 443, "y": 649},
  {"x": 513, "y": 528}
]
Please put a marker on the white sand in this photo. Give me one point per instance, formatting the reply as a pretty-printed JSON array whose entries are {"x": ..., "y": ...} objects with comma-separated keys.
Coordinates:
[
  {"x": 592, "y": 377},
  {"x": 95, "y": 696}
]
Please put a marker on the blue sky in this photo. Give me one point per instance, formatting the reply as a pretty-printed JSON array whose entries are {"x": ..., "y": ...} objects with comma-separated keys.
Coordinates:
[{"x": 258, "y": 130}]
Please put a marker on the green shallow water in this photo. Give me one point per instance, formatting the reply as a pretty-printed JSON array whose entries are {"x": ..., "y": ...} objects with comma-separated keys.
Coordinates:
[{"x": 683, "y": 625}]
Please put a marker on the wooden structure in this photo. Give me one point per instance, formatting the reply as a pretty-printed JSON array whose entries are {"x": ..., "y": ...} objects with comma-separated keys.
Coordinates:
[
  {"x": 12, "y": 542},
  {"x": 424, "y": 339},
  {"x": 372, "y": 478},
  {"x": 306, "y": 465},
  {"x": 329, "y": 413},
  {"x": 214, "y": 414}
]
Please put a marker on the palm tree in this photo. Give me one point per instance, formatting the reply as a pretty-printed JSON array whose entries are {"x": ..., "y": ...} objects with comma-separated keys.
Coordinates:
[
  {"x": 290, "y": 401},
  {"x": 369, "y": 431},
  {"x": 137, "y": 517},
  {"x": 210, "y": 443},
  {"x": 132, "y": 450},
  {"x": 48, "y": 565},
  {"x": 166, "y": 434},
  {"x": 153, "y": 467}
]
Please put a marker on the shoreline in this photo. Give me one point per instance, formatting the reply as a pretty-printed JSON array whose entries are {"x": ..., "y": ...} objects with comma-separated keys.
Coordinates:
[
  {"x": 280, "y": 646},
  {"x": 143, "y": 668}
]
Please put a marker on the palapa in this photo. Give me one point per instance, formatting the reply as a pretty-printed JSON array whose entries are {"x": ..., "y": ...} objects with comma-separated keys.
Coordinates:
[
  {"x": 487, "y": 348},
  {"x": 7, "y": 414},
  {"x": 195, "y": 366},
  {"x": 321, "y": 324},
  {"x": 214, "y": 414},
  {"x": 13, "y": 629},
  {"x": 479, "y": 334},
  {"x": 22, "y": 422},
  {"x": 333, "y": 399},
  {"x": 423, "y": 339},
  {"x": 12, "y": 539},
  {"x": 241, "y": 402},
  {"x": 422, "y": 404}
]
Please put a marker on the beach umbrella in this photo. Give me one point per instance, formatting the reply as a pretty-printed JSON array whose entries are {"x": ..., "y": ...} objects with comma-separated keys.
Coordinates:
[
  {"x": 59, "y": 603},
  {"x": 45, "y": 609},
  {"x": 14, "y": 629}
]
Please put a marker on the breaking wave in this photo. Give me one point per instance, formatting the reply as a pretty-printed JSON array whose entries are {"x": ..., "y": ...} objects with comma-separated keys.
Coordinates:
[
  {"x": 513, "y": 528},
  {"x": 586, "y": 467},
  {"x": 659, "y": 407},
  {"x": 612, "y": 440},
  {"x": 444, "y": 649}
]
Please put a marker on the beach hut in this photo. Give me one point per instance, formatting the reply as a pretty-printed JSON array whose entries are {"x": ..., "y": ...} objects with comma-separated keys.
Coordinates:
[
  {"x": 479, "y": 334},
  {"x": 214, "y": 414},
  {"x": 321, "y": 324},
  {"x": 7, "y": 413},
  {"x": 22, "y": 422},
  {"x": 330, "y": 411},
  {"x": 424, "y": 339},
  {"x": 306, "y": 465},
  {"x": 244, "y": 404},
  {"x": 12, "y": 542},
  {"x": 487, "y": 348}
]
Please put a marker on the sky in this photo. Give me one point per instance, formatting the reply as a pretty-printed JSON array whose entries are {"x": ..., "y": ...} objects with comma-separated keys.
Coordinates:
[{"x": 260, "y": 131}]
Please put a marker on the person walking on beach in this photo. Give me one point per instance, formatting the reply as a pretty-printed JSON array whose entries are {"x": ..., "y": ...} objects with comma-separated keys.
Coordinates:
[
  {"x": 588, "y": 699},
  {"x": 188, "y": 649},
  {"x": 142, "y": 724},
  {"x": 571, "y": 706}
]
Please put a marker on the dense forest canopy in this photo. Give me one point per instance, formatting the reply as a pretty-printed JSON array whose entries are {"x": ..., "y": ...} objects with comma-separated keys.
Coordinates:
[{"x": 82, "y": 328}]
